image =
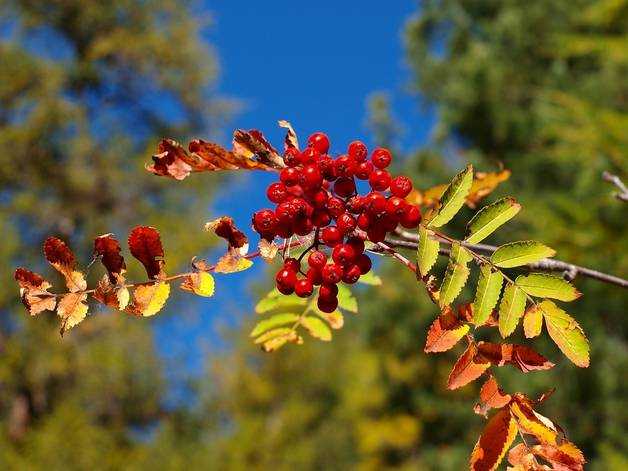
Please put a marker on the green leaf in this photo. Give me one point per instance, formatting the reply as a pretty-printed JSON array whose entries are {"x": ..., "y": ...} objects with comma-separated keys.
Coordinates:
[
  {"x": 371, "y": 279},
  {"x": 566, "y": 333},
  {"x": 346, "y": 300},
  {"x": 335, "y": 319},
  {"x": 487, "y": 294},
  {"x": 271, "y": 334},
  {"x": 275, "y": 300},
  {"x": 427, "y": 251},
  {"x": 272, "y": 322},
  {"x": 511, "y": 309},
  {"x": 453, "y": 197},
  {"x": 489, "y": 218},
  {"x": 456, "y": 274},
  {"x": 520, "y": 253},
  {"x": 532, "y": 322},
  {"x": 317, "y": 328},
  {"x": 544, "y": 285}
]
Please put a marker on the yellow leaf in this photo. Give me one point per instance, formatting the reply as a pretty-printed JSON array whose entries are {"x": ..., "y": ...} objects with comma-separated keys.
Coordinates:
[
  {"x": 149, "y": 298},
  {"x": 484, "y": 183},
  {"x": 230, "y": 263},
  {"x": 72, "y": 310},
  {"x": 199, "y": 283}
]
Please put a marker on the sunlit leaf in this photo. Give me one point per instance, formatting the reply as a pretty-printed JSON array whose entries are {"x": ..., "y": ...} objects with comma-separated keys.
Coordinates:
[
  {"x": 275, "y": 300},
  {"x": 272, "y": 322},
  {"x": 149, "y": 298},
  {"x": 484, "y": 183},
  {"x": 532, "y": 322},
  {"x": 445, "y": 332},
  {"x": 201, "y": 283},
  {"x": 62, "y": 259},
  {"x": 346, "y": 300},
  {"x": 427, "y": 251},
  {"x": 291, "y": 136},
  {"x": 371, "y": 279},
  {"x": 469, "y": 367},
  {"x": 230, "y": 263},
  {"x": 72, "y": 310},
  {"x": 511, "y": 309},
  {"x": 274, "y": 333},
  {"x": 456, "y": 274},
  {"x": 267, "y": 250},
  {"x": 34, "y": 291},
  {"x": 453, "y": 198},
  {"x": 544, "y": 285},
  {"x": 107, "y": 249},
  {"x": 316, "y": 328},
  {"x": 491, "y": 397},
  {"x": 496, "y": 438},
  {"x": 520, "y": 253},
  {"x": 566, "y": 333},
  {"x": 487, "y": 293},
  {"x": 225, "y": 228},
  {"x": 533, "y": 423},
  {"x": 145, "y": 245},
  {"x": 335, "y": 319},
  {"x": 519, "y": 356},
  {"x": 490, "y": 218},
  {"x": 113, "y": 295}
]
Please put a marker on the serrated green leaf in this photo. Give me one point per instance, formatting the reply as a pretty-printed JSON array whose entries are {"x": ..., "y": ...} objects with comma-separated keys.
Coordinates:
[
  {"x": 272, "y": 322},
  {"x": 427, "y": 252},
  {"x": 566, "y": 333},
  {"x": 274, "y": 333},
  {"x": 532, "y": 322},
  {"x": 276, "y": 300},
  {"x": 520, "y": 253},
  {"x": 511, "y": 309},
  {"x": 453, "y": 197},
  {"x": 487, "y": 294},
  {"x": 346, "y": 300},
  {"x": 489, "y": 218},
  {"x": 456, "y": 274},
  {"x": 317, "y": 328},
  {"x": 544, "y": 285},
  {"x": 371, "y": 279}
]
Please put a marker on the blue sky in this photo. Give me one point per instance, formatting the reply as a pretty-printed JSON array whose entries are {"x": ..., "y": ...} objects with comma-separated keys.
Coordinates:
[{"x": 315, "y": 64}]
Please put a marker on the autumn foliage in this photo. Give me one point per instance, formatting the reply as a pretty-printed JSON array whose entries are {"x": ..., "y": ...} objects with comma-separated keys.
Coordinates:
[{"x": 508, "y": 292}]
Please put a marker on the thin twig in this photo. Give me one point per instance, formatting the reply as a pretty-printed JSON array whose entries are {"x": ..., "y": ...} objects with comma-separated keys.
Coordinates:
[
  {"x": 410, "y": 241},
  {"x": 622, "y": 195}
]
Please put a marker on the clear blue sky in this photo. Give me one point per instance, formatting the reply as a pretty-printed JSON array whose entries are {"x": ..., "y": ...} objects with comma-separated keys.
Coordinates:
[{"x": 315, "y": 64}]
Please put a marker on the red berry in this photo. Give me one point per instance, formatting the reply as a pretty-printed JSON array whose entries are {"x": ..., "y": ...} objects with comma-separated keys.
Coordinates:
[
  {"x": 358, "y": 151},
  {"x": 277, "y": 192},
  {"x": 285, "y": 213},
  {"x": 320, "y": 198},
  {"x": 364, "y": 221},
  {"x": 291, "y": 156},
  {"x": 291, "y": 264},
  {"x": 309, "y": 156},
  {"x": 411, "y": 217},
  {"x": 356, "y": 204},
  {"x": 381, "y": 157},
  {"x": 396, "y": 207},
  {"x": 289, "y": 176},
  {"x": 335, "y": 206},
  {"x": 319, "y": 141},
  {"x": 357, "y": 244},
  {"x": 352, "y": 274},
  {"x": 401, "y": 186},
  {"x": 311, "y": 177},
  {"x": 285, "y": 280},
  {"x": 332, "y": 273},
  {"x": 345, "y": 166},
  {"x": 376, "y": 202},
  {"x": 344, "y": 187},
  {"x": 303, "y": 288},
  {"x": 379, "y": 180},
  {"x": 284, "y": 230},
  {"x": 331, "y": 236},
  {"x": 327, "y": 305},
  {"x": 303, "y": 226},
  {"x": 343, "y": 254},
  {"x": 346, "y": 223},
  {"x": 264, "y": 221},
  {"x": 364, "y": 262},
  {"x": 376, "y": 234},
  {"x": 320, "y": 218},
  {"x": 363, "y": 170},
  {"x": 315, "y": 276},
  {"x": 317, "y": 259},
  {"x": 327, "y": 167},
  {"x": 328, "y": 291},
  {"x": 296, "y": 190}
]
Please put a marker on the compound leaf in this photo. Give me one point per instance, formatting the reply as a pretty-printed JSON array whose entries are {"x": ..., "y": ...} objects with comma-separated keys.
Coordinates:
[
  {"x": 453, "y": 198},
  {"x": 489, "y": 218}
]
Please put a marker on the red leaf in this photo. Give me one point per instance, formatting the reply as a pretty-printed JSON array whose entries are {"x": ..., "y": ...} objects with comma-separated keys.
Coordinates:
[
  {"x": 145, "y": 245},
  {"x": 445, "y": 332},
  {"x": 62, "y": 259},
  {"x": 34, "y": 291},
  {"x": 469, "y": 367},
  {"x": 107, "y": 248},
  {"x": 520, "y": 356},
  {"x": 30, "y": 280},
  {"x": 564, "y": 457},
  {"x": 225, "y": 228},
  {"x": 491, "y": 397},
  {"x": 496, "y": 438}
]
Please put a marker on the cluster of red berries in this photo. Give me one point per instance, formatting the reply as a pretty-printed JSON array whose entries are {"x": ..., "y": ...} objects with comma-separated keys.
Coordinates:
[{"x": 318, "y": 193}]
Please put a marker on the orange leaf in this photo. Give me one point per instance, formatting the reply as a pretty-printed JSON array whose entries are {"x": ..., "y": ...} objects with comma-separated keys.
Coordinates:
[
  {"x": 491, "y": 397},
  {"x": 72, "y": 310},
  {"x": 496, "y": 438},
  {"x": 469, "y": 367},
  {"x": 111, "y": 295},
  {"x": 62, "y": 259},
  {"x": 533, "y": 423},
  {"x": 484, "y": 183},
  {"x": 145, "y": 245},
  {"x": 519, "y": 356},
  {"x": 34, "y": 291},
  {"x": 521, "y": 457},
  {"x": 445, "y": 332},
  {"x": 565, "y": 456},
  {"x": 107, "y": 248}
]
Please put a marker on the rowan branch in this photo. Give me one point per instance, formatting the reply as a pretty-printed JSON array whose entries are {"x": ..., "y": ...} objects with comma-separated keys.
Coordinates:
[
  {"x": 622, "y": 195},
  {"x": 410, "y": 241}
]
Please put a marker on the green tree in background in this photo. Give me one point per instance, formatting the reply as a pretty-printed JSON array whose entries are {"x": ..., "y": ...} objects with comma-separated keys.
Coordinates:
[{"x": 86, "y": 90}]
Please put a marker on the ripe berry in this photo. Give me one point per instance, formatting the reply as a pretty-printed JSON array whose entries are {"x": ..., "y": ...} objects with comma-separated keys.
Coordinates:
[
  {"x": 320, "y": 198},
  {"x": 315, "y": 276},
  {"x": 327, "y": 305},
  {"x": 376, "y": 234},
  {"x": 357, "y": 244},
  {"x": 381, "y": 157},
  {"x": 317, "y": 259},
  {"x": 309, "y": 156},
  {"x": 364, "y": 262},
  {"x": 285, "y": 281},
  {"x": 352, "y": 274},
  {"x": 291, "y": 264},
  {"x": 411, "y": 217},
  {"x": 277, "y": 192},
  {"x": 303, "y": 288},
  {"x": 346, "y": 223},
  {"x": 319, "y": 141},
  {"x": 401, "y": 186},
  {"x": 303, "y": 226},
  {"x": 331, "y": 236},
  {"x": 291, "y": 156},
  {"x": 358, "y": 151},
  {"x": 328, "y": 291},
  {"x": 284, "y": 230},
  {"x": 343, "y": 254},
  {"x": 295, "y": 190},
  {"x": 355, "y": 204},
  {"x": 344, "y": 187},
  {"x": 320, "y": 218},
  {"x": 364, "y": 221},
  {"x": 396, "y": 207},
  {"x": 285, "y": 213},
  {"x": 327, "y": 167},
  {"x": 363, "y": 170},
  {"x": 376, "y": 202},
  {"x": 289, "y": 176},
  {"x": 335, "y": 206},
  {"x": 379, "y": 180},
  {"x": 345, "y": 166},
  {"x": 311, "y": 177},
  {"x": 332, "y": 273},
  {"x": 264, "y": 221}
]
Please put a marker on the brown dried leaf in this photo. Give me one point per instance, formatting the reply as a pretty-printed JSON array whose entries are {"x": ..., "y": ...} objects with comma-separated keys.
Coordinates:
[
  {"x": 230, "y": 263},
  {"x": 72, "y": 310},
  {"x": 519, "y": 356},
  {"x": 445, "y": 332},
  {"x": 225, "y": 228},
  {"x": 34, "y": 291},
  {"x": 62, "y": 259},
  {"x": 469, "y": 367},
  {"x": 496, "y": 438},
  {"x": 484, "y": 183},
  {"x": 291, "y": 136},
  {"x": 491, "y": 397},
  {"x": 112, "y": 295},
  {"x": 107, "y": 248},
  {"x": 145, "y": 245},
  {"x": 267, "y": 250}
]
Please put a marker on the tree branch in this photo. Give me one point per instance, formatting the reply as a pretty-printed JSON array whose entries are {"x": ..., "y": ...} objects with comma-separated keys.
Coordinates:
[
  {"x": 622, "y": 195},
  {"x": 410, "y": 241}
]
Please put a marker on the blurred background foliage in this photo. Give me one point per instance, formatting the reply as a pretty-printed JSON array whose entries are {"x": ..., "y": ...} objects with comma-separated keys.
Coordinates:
[{"x": 536, "y": 86}]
